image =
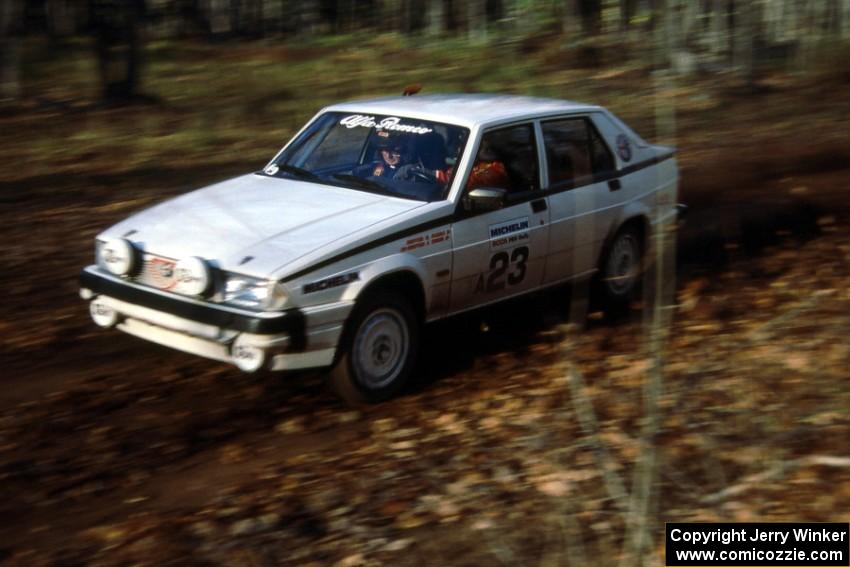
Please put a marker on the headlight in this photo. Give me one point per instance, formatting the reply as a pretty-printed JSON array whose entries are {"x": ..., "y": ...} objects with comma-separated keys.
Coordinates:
[
  {"x": 117, "y": 255},
  {"x": 192, "y": 275},
  {"x": 253, "y": 293}
]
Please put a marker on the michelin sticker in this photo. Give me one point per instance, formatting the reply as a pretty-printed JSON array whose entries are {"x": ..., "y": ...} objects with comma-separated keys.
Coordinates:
[{"x": 509, "y": 232}]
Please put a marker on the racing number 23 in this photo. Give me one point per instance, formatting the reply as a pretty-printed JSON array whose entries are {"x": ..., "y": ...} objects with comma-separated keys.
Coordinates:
[{"x": 499, "y": 264}]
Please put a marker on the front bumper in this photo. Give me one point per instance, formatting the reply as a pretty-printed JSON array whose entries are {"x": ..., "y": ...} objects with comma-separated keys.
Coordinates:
[{"x": 285, "y": 340}]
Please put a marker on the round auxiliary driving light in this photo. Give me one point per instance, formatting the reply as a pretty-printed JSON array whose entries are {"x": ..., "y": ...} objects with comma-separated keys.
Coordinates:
[
  {"x": 192, "y": 276},
  {"x": 118, "y": 256},
  {"x": 247, "y": 357},
  {"x": 103, "y": 314}
]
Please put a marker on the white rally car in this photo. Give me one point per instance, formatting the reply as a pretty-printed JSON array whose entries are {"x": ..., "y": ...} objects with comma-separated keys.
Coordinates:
[{"x": 380, "y": 216}]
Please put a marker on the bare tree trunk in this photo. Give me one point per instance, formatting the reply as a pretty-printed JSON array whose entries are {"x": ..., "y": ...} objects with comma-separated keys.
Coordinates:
[
  {"x": 61, "y": 18},
  {"x": 413, "y": 15},
  {"x": 452, "y": 17},
  {"x": 476, "y": 20},
  {"x": 10, "y": 86},
  {"x": 219, "y": 17},
  {"x": 805, "y": 33},
  {"x": 118, "y": 47},
  {"x": 719, "y": 30},
  {"x": 773, "y": 20},
  {"x": 591, "y": 16},
  {"x": 682, "y": 36},
  {"x": 570, "y": 22},
  {"x": 689, "y": 12},
  {"x": 627, "y": 12},
  {"x": 744, "y": 36},
  {"x": 235, "y": 14},
  {"x": 844, "y": 19},
  {"x": 436, "y": 17},
  {"x": 406, "y": 9},
  {"x": 829, "y": 16},
  {"x": 272, "y": 14},
  {"x": 662, "y": 34},
  {"x": 495, "y": 10},
  {"x": 308, "y": 17},
  {"x": 250, "y": 18}
]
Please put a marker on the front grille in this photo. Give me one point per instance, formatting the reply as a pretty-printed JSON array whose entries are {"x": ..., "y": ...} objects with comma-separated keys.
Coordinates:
[{"x": 157, "y": 271}]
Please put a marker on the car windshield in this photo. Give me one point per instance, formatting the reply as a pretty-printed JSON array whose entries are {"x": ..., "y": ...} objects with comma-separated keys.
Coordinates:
[{"x": 392, "y": 155}]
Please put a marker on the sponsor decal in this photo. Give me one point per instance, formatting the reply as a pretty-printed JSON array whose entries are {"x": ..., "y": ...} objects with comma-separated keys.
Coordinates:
[
  {"x": 161, "y": 271},
  {"x": 624, "y": 147},
  {"x": 334, "y": 281},
  {"x": 509, "y": 232},
  {"x": 426, "y": 240},
  {"x": 392, "y": 123}
]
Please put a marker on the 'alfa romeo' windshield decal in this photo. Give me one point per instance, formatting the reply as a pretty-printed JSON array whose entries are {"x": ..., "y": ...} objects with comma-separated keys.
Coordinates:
[{"x": 390, "y": 123}]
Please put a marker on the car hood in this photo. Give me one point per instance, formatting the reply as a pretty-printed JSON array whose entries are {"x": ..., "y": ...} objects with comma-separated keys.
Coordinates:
[{"x": 255, "y": 224}]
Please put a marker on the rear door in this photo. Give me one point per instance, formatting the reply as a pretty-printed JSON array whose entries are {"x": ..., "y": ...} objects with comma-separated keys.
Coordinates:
[
  {"x": 582, "y": 195},
  {"x": 502, "y": 253}
]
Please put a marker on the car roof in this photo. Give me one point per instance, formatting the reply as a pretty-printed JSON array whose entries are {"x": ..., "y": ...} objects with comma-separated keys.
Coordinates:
[{"x": 464, "y": 109}]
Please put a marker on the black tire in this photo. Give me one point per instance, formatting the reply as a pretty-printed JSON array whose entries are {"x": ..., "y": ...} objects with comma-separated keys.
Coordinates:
[
  {"x": 378, "y": 350},
  {"x": 621, "y": 268}
]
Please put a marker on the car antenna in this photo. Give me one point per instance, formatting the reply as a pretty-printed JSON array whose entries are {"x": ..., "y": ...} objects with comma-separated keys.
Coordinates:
[{"x": 411, "y": 90}]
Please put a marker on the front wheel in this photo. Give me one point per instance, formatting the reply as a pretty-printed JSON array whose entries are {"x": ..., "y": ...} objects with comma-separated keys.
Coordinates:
[{"x": 378, "y": 350}]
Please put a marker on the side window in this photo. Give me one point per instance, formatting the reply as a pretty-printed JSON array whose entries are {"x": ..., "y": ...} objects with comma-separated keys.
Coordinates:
[
  {"x": 574, "y": 152},
  {"x": 507, "y": 159}
]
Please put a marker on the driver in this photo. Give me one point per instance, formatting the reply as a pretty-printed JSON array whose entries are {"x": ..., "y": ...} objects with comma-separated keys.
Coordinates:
[
  {"x": 430, "y": 163},
  {"x": 391, "y": 152}
]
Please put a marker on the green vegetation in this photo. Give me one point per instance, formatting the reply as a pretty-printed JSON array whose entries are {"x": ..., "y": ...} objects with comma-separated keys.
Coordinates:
[
  {"x": 235, "y": 103},
  {"x": 239, "y": 102}
]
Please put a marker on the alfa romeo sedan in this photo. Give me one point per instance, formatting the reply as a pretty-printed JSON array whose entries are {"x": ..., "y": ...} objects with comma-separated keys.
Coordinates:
[{"x": 380, "y": 216}]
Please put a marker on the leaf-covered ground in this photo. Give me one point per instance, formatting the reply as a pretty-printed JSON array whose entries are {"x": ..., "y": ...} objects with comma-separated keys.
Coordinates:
[{"x": 115, "y": 452}]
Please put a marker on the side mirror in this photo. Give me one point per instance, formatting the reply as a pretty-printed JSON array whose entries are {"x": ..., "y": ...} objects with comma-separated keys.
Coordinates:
[{"x": 485, "y": 199}]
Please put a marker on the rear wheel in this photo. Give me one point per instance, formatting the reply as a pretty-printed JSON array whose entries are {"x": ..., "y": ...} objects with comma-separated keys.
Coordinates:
[
  {"x": 621, "y": 267},
  {"x": 379, "y": 349}
]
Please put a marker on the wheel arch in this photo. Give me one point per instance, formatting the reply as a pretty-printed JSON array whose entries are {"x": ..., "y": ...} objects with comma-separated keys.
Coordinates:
[
  {"x": 402, "y": 280},
  {"x": 639, "y": 220}
]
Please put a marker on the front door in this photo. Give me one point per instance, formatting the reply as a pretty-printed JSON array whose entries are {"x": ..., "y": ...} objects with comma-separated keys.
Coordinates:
[{"x": 497, "y": 254}]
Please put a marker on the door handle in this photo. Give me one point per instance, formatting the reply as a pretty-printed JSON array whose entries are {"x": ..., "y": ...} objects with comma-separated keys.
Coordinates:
[
  {"x": 538, "y": 206},
  {"x": 614, "y": 185}
]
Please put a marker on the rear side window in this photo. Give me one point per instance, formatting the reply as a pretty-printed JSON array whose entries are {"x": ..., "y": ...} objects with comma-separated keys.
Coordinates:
[
  {"x": 507, "y": 159},
  {"x": 575, "y": 152},
  {"x": 603, "y": 160}
]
